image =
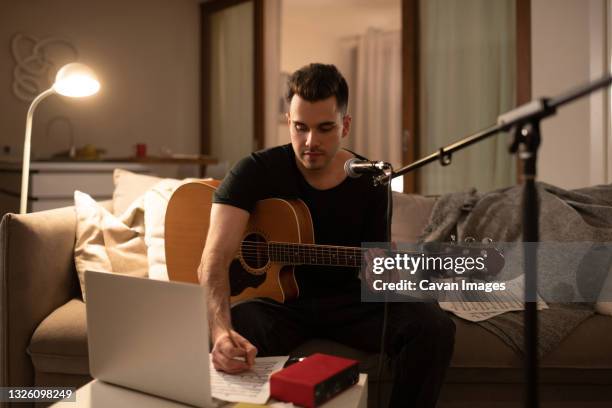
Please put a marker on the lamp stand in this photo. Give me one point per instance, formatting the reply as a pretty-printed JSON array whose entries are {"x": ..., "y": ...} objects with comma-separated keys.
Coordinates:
[{"x": 25, "y": 171}]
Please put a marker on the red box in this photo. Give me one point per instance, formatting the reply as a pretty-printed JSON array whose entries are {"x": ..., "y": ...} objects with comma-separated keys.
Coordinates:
[{"x": 314, "y": 380}]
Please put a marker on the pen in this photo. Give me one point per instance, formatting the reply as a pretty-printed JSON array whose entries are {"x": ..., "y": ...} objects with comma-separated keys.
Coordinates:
[{"x": 229, "y": 334}]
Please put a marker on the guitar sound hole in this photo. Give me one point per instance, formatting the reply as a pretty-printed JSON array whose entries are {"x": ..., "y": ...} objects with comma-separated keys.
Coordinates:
[{"x": 254, "y": 251}]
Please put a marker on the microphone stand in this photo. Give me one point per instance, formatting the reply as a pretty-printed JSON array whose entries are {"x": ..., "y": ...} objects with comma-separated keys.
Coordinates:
[{"x": 524, "y": 122}]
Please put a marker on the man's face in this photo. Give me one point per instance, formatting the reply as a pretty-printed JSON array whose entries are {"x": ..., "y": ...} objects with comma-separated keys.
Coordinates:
[{"x": 316, "y": 129}]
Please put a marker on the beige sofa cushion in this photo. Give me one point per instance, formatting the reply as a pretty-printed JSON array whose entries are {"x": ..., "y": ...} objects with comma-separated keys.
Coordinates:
[
  {"x": 59, "y": 344},
  {"x": 589, "y": 345},
  {"x": 410, "y": 216},
  {"x": 478, "y": 347}
]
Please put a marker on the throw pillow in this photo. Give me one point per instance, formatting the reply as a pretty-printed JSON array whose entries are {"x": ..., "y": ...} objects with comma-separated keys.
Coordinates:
[
  {"x": 108, "y": 243},
  {"x": 155, "y": 203},
  {"x": 129, "y": 187}
]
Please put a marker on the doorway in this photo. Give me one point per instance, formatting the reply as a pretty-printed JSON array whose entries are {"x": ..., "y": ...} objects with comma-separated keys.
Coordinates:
[
  {"x": 363, "y": 40},
  {"x": 232, "y": 78}
]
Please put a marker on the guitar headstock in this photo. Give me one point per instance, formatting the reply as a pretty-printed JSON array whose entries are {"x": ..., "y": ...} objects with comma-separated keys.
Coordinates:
[{"x": 483, "y": 253}]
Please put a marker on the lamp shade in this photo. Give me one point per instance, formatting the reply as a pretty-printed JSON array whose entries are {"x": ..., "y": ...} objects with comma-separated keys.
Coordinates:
[{"x": 76, "y": 80}]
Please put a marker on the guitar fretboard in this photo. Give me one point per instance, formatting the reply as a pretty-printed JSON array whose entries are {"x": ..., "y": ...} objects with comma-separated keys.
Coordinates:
[
  {"x": 300, "y": 254},
  {"x": 258, "y": 254}
]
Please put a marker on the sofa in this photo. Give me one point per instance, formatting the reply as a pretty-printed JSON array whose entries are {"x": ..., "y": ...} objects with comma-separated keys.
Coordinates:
[{"x": 43, "y": 331}]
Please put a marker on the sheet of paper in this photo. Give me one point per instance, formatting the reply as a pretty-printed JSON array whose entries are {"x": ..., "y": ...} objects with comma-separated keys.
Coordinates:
[
  {"x": 486, "y": 305},
  {"x": 252, "y": 386}
]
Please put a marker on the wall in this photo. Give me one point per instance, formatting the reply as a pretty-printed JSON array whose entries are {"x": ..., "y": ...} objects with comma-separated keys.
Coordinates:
[
  {"x": 146, "y": 54},
  {"x": 568, "y": 48}
]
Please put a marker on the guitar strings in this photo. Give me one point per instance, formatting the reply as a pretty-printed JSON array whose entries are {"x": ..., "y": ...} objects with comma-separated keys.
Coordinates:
[
  {"x": 317, "y": 249},
  {"x": 257, "y": 251},
  {"x": 301, "y": 253},
  {"x": 261, "y": 247},
  {"x": 297, "y": 248},
  {"x": 277, "y": 246},
  {"x": 290, "y": 247}
]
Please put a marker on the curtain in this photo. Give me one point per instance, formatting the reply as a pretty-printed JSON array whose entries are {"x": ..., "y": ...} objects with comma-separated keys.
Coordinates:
[
  {"x": 231, "y": 111},
  {"x": 467, "y": 79},
  {"x": 376, "y": 97}
]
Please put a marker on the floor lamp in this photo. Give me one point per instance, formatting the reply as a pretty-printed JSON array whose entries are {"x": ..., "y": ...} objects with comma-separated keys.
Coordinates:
[{"x": 75, "y": 80}]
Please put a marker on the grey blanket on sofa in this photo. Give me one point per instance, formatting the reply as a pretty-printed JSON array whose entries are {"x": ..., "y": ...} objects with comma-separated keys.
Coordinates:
[{"x": 565, "y": 216}]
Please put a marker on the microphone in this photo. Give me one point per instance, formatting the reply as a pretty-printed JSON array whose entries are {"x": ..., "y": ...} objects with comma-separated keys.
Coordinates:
[{"x": 355, "y": 167}]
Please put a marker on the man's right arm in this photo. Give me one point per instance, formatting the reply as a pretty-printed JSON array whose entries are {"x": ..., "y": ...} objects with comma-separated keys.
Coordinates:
[{"x": 227, "y": 225}]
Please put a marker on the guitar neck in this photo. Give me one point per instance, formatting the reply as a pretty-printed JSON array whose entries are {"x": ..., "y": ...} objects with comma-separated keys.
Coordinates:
[
  {"x": 328, "y": 255},
  {"x": 312, "y": 254}
]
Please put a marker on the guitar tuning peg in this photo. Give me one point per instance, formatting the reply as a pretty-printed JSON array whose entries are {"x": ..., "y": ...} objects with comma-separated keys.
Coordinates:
[
  {"x": 487, "y": 240},
  {"x": 469, "y": 240},
  {"x": 453, "y": 238}
]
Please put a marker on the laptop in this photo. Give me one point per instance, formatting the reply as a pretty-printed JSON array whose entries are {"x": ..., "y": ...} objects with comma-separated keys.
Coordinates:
[{"x": 149, "y": 335}]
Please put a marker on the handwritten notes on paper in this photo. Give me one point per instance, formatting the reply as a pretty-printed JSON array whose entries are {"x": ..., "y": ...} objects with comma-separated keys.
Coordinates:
[
  {"x": 252, "y": 386},
  {"x": 476, "y": 308}
]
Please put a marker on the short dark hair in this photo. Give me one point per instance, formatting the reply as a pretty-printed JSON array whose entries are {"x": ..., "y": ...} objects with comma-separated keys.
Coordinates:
[{"x": 315, "y": 82}]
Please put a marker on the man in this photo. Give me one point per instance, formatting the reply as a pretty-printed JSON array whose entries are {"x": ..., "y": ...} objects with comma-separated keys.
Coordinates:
[{"x": 345, "y": 211}]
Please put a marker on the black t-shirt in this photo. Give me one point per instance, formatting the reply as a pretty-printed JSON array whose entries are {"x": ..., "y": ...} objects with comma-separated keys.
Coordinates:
[{"x": 348, "y": 214}]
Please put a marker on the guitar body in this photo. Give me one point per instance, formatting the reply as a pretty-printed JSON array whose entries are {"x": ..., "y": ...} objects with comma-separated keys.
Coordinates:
[{"x": 251, "y": 273}]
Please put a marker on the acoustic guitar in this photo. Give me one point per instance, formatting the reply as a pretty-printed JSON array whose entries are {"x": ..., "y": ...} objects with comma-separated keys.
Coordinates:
[{"x": 279, "y": 236}]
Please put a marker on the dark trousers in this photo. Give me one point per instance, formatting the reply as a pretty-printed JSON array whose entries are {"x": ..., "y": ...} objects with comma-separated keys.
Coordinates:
[{"x": 420, "y": 336}]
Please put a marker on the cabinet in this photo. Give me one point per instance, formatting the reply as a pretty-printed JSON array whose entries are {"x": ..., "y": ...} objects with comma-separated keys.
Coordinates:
[{"x": 52, "y": 184}]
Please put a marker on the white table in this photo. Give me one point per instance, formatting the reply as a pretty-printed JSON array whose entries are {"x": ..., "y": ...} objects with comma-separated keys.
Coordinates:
[{"x": 98, "y": 394}]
